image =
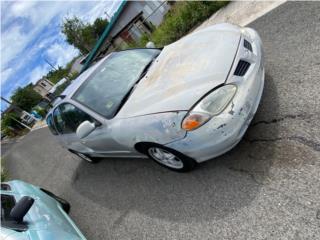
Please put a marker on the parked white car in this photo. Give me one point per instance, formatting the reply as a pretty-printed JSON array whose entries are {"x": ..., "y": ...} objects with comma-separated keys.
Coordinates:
[{"x": 186, "y": 103}]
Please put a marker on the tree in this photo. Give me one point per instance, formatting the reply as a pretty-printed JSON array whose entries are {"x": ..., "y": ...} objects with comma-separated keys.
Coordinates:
[
  {"x": 25, "y": 98},
  {"x": 99, "y": 26},
  {"x": 83, "y": 36}
]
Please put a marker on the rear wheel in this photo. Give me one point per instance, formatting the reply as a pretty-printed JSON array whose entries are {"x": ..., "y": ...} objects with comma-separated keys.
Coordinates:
[{"x": 170, "y": 158}]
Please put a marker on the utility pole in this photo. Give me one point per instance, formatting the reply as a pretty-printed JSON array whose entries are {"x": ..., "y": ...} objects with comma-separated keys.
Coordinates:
[
  {"x": 10, "y": 103},
  {"x": 7, "y": 101},
  {"x": 108, "y": 16},
  {"x": 50, "y": 64}
]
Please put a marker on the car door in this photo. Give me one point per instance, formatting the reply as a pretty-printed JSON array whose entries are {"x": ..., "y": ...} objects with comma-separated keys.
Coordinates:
[
  {"x": 98, "y": 142},
  {"x": 63, "y": 129}
]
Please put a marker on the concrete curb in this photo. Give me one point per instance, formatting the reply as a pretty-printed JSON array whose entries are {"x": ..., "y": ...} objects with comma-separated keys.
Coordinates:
[{"x": 241, "y": 12}]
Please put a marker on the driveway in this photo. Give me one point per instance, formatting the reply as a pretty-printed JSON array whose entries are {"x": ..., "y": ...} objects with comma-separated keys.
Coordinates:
[{"x": 267, "y": 187}]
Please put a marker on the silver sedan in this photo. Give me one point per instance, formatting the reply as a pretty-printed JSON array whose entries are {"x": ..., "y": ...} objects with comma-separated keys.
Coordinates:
[{"x": 186, "y": 103}]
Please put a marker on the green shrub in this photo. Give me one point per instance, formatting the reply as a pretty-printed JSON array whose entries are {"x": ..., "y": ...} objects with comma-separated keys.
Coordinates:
[
  {"x": 63, "y": 86},
  {"x": 9, "y": 126},
  {"x": 141, "y": 43},
  {"x": 181, "y": 19},
  {"x": 41, "y": 111}
]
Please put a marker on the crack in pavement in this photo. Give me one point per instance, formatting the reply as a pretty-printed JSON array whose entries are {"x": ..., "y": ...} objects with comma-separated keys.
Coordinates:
[
  {"x": 307, "y": 142},
  {"x": 247, "y": 172}
]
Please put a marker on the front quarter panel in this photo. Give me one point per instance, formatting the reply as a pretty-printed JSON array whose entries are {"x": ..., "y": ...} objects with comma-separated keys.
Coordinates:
[{"x": 159, "y": 128}]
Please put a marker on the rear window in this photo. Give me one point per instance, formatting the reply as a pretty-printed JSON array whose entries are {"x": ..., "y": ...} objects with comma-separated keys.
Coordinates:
[{"x": 51, "y": 126}]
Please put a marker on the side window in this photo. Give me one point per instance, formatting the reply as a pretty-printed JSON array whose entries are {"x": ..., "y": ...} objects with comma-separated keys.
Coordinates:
[
  {"x": 51, "y": 126},
  {"x": 5, "y": 187},
  {"x": 7, "y": 203},
  {"x": 73, "y": 116},
  {"x": 60, "y": 123}
]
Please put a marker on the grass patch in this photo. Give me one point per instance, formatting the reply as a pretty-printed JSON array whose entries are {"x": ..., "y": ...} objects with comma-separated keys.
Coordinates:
[{"x": 180, "y": 20}]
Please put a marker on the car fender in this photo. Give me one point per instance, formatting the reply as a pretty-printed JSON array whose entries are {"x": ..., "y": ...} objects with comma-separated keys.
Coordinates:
[{"x": 161, "y": 128}]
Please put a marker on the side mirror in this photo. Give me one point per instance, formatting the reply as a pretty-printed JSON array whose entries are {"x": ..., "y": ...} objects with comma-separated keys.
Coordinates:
[
  {"x": 21, "y": 208},
  {"x": 85, "y": 128},
  {"x": 150, "y": 45}
]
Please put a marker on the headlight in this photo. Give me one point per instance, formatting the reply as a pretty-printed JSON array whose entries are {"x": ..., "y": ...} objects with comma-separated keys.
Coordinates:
[{"x": 209, "y": 106}]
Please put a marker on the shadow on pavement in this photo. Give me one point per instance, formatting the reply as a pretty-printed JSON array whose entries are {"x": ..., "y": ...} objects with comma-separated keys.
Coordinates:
[{"x": 213, "y": 191}]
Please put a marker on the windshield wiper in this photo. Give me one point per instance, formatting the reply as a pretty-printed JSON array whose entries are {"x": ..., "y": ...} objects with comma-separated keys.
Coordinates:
[
  {"x": 145, "y": 70},
  {"x": 125, "y": 98}
]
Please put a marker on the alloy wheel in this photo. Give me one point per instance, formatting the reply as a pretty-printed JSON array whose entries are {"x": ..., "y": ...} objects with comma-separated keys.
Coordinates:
[{"x": 165, "y": 157}]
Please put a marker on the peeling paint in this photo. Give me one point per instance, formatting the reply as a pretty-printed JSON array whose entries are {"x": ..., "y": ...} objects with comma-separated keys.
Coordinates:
[
  {"x": 222, "y": 125},
  {"x": 232, "y": 106},
  {"x": 181, "y": 75}
]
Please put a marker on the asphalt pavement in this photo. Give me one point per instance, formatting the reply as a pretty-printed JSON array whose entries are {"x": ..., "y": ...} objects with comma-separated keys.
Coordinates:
[{"x": 267, "y": 187}]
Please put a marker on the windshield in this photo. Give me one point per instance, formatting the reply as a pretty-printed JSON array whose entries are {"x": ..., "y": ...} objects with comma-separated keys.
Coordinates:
[{"x": 105, "y": 89}]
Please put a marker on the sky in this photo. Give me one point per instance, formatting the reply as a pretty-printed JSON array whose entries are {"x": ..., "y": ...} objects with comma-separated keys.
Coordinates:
[{"x": 30, "y": 33}]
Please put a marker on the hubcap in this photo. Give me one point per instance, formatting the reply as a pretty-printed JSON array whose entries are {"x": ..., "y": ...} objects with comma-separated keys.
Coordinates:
[
  {"x": 166, "y": 158},
  {"x": 84, "y": 157}
]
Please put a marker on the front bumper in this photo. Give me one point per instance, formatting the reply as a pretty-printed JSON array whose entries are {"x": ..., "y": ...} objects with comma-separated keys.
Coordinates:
[{"x": 224, "y": 131}]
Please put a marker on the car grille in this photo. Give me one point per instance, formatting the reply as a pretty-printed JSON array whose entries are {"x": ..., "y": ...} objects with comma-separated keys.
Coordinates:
[
  {"x": 247, "y": 45},
  {"x": 242, "y": 68}
]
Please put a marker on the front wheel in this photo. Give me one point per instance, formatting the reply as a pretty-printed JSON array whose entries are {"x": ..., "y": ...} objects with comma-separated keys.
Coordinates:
[{"x": 170, "y": 158}]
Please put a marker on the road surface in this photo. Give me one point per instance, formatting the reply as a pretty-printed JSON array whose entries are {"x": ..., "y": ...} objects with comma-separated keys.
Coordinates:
[{"x": 267, "y": 187}]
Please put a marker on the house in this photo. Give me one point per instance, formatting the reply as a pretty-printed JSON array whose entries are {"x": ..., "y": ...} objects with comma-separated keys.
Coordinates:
[
  {"x": 132, "y": 20},
  {"x": 43, "y": 86},
  {"x": 137, "y": 18}
]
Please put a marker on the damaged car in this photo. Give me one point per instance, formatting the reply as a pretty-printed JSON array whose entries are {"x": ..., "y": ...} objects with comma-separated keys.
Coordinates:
[{"x": 179, "y": 105}]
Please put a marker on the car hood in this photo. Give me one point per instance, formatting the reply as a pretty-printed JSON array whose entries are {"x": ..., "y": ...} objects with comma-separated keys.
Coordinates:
[
  {"x": 185, "y": 71},
  {"x": 45, "y": 217}
]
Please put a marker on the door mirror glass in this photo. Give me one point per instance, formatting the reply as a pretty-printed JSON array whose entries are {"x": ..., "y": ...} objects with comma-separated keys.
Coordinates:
[{"x": 85, "y": 128}]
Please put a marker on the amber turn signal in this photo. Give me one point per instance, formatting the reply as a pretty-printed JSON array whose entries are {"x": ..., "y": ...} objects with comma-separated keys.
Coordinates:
[{"x": 194, "y": 120}]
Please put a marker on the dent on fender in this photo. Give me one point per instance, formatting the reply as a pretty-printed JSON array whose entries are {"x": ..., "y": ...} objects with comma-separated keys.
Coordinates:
[{"x": 162, "y": 128}]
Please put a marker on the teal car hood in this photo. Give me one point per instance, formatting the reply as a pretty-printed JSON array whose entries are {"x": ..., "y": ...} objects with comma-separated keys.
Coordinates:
[{"x": 46, "y": 219}]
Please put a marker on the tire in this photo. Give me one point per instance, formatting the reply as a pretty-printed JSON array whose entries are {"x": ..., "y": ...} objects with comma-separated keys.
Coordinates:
[
  {"x": 172, "y": 159},
  {"x": 64, "y": 203},
  {"x": 86, "y": 158}
]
